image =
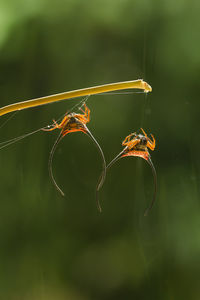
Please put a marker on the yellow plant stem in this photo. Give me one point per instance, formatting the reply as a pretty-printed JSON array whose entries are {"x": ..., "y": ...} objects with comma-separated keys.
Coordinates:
[{"x": 133, "y": 84}]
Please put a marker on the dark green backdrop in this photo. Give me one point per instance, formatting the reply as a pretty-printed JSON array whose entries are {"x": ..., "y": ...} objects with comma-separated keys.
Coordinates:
[{"x": 62, "y": 248}]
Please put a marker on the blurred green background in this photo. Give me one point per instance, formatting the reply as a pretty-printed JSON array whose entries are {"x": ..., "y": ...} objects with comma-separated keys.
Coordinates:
[{"x": 62, "y": 248}]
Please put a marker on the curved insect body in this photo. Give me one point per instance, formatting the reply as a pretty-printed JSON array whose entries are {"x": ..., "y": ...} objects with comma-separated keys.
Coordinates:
[
  {"x": 74, "y": 122},
  {"x": 137, "y": 145},
  {"x": 139, "y": 142}
]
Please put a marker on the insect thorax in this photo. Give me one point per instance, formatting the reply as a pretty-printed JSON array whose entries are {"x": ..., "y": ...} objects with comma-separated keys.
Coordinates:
[{"x": 73, "y": 123}]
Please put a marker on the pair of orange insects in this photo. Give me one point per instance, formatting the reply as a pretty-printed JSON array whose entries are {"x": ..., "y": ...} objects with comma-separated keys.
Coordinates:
[{"x": 134, "y": 145}]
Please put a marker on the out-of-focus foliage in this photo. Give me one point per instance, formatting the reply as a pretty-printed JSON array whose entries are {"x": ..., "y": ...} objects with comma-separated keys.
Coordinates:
[{"x": 62, "y": 248}]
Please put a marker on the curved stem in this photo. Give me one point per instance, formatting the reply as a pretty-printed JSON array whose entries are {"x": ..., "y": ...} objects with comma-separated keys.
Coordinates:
[{"x": 133, "y": 84}]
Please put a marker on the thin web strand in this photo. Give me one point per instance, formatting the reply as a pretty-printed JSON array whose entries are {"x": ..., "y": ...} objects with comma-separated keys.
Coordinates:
[
  {"x": 84, "y": 100},
  {"x": 7, "y": 120},
  {"x": 16, "y": 139},
  {"x": 118, "y": 93}
]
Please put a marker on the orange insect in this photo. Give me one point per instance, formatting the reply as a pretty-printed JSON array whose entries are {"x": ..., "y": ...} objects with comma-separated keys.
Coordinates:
[
  {"x": 137, "y": 145},
  {"x": 74, "y": 122}
]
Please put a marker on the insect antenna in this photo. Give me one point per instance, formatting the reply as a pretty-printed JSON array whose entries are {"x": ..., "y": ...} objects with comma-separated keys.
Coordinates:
[
  {"x": 155, "y": 185},
  {"x": 59, "y": 138}
]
